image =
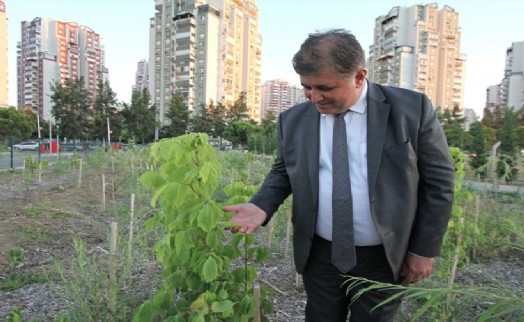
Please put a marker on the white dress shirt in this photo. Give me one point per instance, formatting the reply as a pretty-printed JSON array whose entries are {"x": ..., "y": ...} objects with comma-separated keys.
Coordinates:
[{"x": 364, "y": 228}]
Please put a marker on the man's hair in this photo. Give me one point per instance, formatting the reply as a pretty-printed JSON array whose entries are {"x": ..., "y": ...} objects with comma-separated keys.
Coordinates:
[{"x": 335, "y": 49}]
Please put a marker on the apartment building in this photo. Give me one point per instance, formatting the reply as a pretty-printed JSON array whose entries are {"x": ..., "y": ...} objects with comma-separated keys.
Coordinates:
[
  {"x": 52, "y": 51},
  {"x": 4, "y": 76},
  {"x": 205, "y": 51},
  {"x": 141, "y": 76},
  {"x": 279, "y": 95},
  {"x": 418, "y": 48},
  {"x": 512, "y": 85}
]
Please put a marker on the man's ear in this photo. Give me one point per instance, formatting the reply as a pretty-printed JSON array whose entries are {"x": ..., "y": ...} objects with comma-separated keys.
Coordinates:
[{"x": 360, "y": 77}]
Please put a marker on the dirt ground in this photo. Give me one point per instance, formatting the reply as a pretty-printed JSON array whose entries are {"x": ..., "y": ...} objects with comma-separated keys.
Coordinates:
[{"x": 39, "y": 217}]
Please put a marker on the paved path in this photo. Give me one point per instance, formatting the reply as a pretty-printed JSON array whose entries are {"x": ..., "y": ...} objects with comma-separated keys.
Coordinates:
[{"x": 487, "y": 186}]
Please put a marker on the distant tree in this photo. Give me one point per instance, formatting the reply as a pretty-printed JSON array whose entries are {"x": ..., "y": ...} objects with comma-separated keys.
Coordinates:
[
  {"x": 44, "y": 125},
  {"x": 493, "y": 117},
  {"x": 140, "y": 117},
  {"x": 507, "y": 168},
  {"x": 238, "y": 112},
  {"x": 70, "y": 108},
  {"x": 178, "y": 117},
  {"x": 453, "y": 127},
  {"x": 237, "y": 132},
  {"x": 507, "y": 134},
  {"x": 15, "y": 123},
  {"x": 478, "y": 150},
  {"x": 200, "y": 121},
  {"x": 104, "y": 109},
  {"x": 217, "y": 117}
]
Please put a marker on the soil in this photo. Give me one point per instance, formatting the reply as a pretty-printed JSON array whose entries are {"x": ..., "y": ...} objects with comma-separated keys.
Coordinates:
[{"x": 40, "y": 217}]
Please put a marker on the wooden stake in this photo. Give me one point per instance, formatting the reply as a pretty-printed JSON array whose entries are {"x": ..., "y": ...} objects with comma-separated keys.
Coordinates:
[
  {"x": 132, "y": 215},
  {"x": 103, "y": 192},
  {"x": 477, "y": 216},
  {"x": 113, "y": 163},
  {"x": 457, "y": 257},
  {"x": 80, "y": 174},
  {"x": 113, "y": 268},
  {"x": 256, "y": 295},
  {"x": 288, "y": 235},
  {"x": 40, "y": 172},
  {"x": 270, "y": 234}
]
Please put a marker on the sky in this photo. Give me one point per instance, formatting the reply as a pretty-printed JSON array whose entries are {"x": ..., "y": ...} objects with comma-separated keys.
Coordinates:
[{"x": 488, "y": 29}]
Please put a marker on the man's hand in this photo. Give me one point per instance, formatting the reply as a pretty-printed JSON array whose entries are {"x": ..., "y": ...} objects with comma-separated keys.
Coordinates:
[
  {"x": 249, "y": 216},
  {"x": 416, "y": 268}
]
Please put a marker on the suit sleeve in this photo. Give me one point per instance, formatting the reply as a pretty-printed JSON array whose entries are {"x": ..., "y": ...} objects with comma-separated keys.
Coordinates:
[
  {"x": 276, "y": 186},
  {"x": 435, "y": 190}
]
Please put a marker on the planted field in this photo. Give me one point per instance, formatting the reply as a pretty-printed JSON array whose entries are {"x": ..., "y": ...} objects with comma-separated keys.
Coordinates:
[{"x": 74, "y": 247}]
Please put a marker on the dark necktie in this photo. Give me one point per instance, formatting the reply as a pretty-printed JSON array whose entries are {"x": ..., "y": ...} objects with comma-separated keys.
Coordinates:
[{"x": 343, "y": 245}]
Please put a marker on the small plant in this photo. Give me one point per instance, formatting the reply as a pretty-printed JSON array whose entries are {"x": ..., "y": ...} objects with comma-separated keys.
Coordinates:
[
  {"x": 16, "y": 257},
  {"x": 207, "y": 273}
]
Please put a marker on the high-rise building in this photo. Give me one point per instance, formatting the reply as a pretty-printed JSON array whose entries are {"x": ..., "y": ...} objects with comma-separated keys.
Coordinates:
[
  {"x": 205, "y": 51},
  {"x": 418, "y": 48},
  {"x": 512, "y": 85},
  {"x": 4, "y": 84},
  {"x": 279, "y": 95},
  {"x": 52, "y": 51},
  {"x": 510, "y": 91},
  {"x": 141, "y": 76}
]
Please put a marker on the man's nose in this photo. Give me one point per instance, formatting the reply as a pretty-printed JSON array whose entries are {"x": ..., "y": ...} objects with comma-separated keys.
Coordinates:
[{"x": 315, "y": 96}]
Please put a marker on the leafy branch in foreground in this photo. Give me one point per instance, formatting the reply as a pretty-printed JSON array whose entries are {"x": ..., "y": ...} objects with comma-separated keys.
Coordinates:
[
  {"x": 497, "y": 304},
  {"x": 207, "y": 276}
]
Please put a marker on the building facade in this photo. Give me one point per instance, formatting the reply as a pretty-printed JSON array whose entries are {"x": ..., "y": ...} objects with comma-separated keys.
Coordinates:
[
  {"x": 418, "y": 48},
  {"x": 512, "y": 85},
  {"x": 52, "y": 51},
  {"x": 205, "y": 51},
  {"x": 4, "y": 75},
  {"x": 279, "y": 95},
  {"x": 141, "y": 76}
]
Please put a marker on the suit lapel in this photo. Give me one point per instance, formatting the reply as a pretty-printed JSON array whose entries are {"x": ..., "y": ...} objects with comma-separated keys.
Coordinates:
[
  {"x": 377, "y": 122},
  {"x": 311, "y": 132}
]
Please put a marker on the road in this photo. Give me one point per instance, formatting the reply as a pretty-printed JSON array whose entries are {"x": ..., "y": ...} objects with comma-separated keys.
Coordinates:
[{"x": 19, "y": 156}]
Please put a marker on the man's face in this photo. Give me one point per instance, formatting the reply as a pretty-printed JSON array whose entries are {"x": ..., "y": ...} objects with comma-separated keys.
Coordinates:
[{"x": 331, "y": 92}]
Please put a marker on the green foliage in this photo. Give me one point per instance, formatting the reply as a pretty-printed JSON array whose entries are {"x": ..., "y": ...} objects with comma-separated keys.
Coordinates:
[
  {"x": 204, "y": 280},
  {"x": 507, "y": 169},
  {"x": 71, "y": 109},
  {"x": 507, "y": 134},
  {"x": 495, "y": 304},
  {"x": 16, "y": 256},
  {"x": 238, "y": 132},
  {"x": 104, "y": 109},
  {"x": 15, "y": 123},
  {"x": 139, "y": 118},
  {"x": 178, "y": 117},
  {"x": 460, "y": 225}
]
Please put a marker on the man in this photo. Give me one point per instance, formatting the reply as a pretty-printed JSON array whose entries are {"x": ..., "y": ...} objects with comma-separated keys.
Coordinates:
[{"x": 401, "y": 181}]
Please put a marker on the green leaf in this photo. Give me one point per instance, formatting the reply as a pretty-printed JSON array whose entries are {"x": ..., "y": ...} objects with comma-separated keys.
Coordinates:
[
  {"x": 144, "y": 313},
  {"x": 152, "y": 180},
  {"x": 222, "y": 306},
  {"x": 210, "y": 270},
  {"x": 212, "y": 239},
  {"x": 163, "y": 300},
  {"x": 207, "y": 219}
]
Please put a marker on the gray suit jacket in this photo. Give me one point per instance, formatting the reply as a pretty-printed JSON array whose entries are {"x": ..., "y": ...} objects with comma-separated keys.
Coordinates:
[{"x": 410, "y": 174}]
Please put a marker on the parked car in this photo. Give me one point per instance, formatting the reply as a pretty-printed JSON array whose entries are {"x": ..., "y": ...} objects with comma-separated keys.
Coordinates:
[
  {"x": 26, "y": 145},
  {"x": 64, "y": 147}
]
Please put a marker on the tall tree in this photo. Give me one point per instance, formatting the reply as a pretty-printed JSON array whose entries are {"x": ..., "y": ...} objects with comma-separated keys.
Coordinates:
[
  {"x": 15, "y": 123},
  {"x": 178, "y": 116},
  {"x": 217, "y": 117},
  {"x": 105, "y": 109},
  {"x": 238, "y": 111},
  {"x": 507, "y": 134},
  {"x": 140, "y": 117},
  {"x": 70, "y": 108},
  {"x": 453, "y": 127},
  {"x": 201, "y": 122},
  {"x": 237, "y": 133},
  {"x": 479, "y": 160},
  {"x": 493, "y": 117}
]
